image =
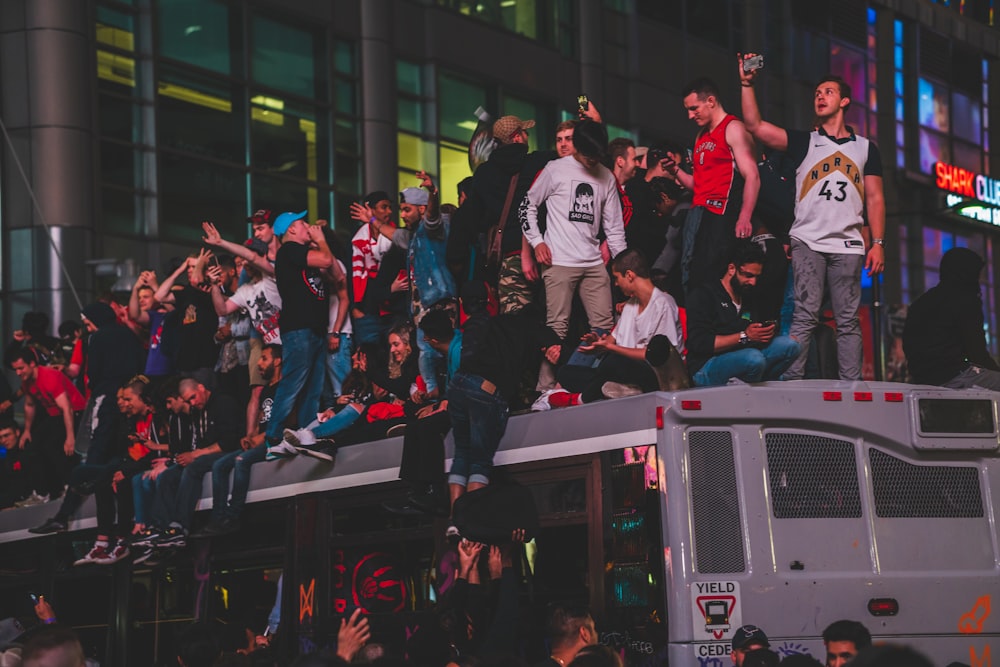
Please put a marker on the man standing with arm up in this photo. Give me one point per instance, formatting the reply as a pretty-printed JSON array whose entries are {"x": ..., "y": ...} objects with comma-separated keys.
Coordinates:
[{"x": 838, "y": 179}]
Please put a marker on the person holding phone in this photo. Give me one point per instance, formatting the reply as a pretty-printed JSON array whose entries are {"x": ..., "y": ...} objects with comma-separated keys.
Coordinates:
[
  {"x": 725, "y": 340},
  {"x": 838, "y": 183}
]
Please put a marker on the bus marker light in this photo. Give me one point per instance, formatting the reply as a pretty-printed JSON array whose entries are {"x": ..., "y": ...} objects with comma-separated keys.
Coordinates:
[
  {"x": 893, "y": 397},
  {"x": 862, "y": 396},
  {"x": 832, "y": 396},
  {"x": 659, "y": 417},
  {"x": 883, "y": 607},
  {"x": 690, "y": 405}
]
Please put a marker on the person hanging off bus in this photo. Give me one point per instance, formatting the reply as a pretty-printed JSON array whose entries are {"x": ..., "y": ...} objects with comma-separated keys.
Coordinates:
[
  {"x": 837, "y": 181},
  {"x": 943, "y": 336},
  {"x": 726, "y": 338}
]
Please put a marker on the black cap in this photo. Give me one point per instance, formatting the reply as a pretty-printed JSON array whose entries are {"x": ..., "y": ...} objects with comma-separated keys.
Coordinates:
[{"x": 749, "y": 634}]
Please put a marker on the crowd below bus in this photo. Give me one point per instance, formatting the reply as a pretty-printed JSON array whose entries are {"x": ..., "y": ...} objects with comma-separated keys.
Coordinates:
[{"x": 593, "y": 271}]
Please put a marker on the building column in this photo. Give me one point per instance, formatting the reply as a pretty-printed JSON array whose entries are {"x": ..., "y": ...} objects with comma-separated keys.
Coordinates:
[
  {"x": 378, "y": 72},
  {"x": 46, "y": 102},
  {"x": 591, "y": 36}
]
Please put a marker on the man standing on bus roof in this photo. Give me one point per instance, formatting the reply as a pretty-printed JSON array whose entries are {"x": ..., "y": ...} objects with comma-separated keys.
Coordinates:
[
  {"x": 838, "y": 180},
  {"x": 723, "y": 201},
  {"x": 943, "y": 336},
  {"x": 747, "y": 638},
  {"x": 844, "y": 640}
]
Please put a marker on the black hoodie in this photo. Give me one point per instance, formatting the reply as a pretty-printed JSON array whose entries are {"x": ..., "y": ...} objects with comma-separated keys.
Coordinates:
[{"x": 943, "y": 333}]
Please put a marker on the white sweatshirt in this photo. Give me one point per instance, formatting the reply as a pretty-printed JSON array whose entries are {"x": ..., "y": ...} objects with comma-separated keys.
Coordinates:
[{"x": 579, "y": 203}]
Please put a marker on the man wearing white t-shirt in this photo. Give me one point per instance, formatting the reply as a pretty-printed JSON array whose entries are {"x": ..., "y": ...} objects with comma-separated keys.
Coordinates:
[{"x": 620, "y": 356}]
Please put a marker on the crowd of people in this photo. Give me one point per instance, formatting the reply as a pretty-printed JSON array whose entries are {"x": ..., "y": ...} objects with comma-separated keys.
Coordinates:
[{"x": 593, "y": 271}]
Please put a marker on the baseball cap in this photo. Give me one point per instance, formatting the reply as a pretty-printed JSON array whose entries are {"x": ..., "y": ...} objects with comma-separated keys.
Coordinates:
[
  {"x": 373, "y": 198},
  {"x": 506, "y": 126},
  {"x": 285, "y": 220},
  {"x": 415, "y": 196},
  {"x": 257, "y": 246},
  {"x": 261, "y": 216},
  {"x": 749, "y": 634}
]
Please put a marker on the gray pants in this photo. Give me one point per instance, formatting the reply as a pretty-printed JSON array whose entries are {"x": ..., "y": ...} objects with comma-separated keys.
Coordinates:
[{"x": 814, "y": 271}]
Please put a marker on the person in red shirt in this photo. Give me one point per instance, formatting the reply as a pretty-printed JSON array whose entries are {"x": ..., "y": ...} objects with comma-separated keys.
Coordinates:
[{"x": 49, "y": 426}]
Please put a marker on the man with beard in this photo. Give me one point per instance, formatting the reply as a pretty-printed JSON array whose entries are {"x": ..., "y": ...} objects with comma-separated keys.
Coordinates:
[
  {"x": 226, "y": 510},
  {"x": 725, "y": 339}
]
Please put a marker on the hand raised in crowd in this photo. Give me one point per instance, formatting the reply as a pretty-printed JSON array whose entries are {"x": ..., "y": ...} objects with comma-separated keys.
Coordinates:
[
  {"x": 354, "y": 633},
  {"x": 214, "y": 274},
  {"x": 468, "y": 557},
  {"x": 495, "y": 562},
  {"x": 316, "y": 231},
  {"x": 425, "y": 180},
  {"x": 361, "y": 212},
  {"x": 591, "y": 113},
  {"x": 148, "y": 278},
  {"x": 44, "y": 611},
  {"x": 746, "y": 78},
  {"x": 211, "y": 234}
]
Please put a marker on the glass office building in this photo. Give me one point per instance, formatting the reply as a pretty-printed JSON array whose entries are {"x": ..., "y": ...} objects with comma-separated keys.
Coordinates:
[{"x": 131, "y": 121}]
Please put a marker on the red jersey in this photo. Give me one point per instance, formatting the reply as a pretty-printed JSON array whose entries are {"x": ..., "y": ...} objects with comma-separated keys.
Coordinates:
[
  {"x": 49, "y": 385},
  {"x": 714, "y": 169}
]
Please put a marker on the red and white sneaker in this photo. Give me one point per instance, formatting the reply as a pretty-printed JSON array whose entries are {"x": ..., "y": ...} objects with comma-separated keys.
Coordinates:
[
  {"x": 114, "y": 555},
  {"x": 95, "y": 555}
]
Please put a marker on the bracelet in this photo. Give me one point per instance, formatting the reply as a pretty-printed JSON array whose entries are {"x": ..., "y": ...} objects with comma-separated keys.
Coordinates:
[
  {"x": 372, "y": 220},
  {"x": 49, "y": 621}
]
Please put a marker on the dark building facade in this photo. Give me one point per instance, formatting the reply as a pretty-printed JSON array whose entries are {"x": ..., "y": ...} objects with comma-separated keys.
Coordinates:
[{"x": 133, "y": 121}]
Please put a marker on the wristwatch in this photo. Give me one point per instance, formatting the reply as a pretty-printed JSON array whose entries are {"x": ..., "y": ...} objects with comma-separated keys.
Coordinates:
[
  {"x": 880, "y": 242},
  {"x": 744, "y": 338}
]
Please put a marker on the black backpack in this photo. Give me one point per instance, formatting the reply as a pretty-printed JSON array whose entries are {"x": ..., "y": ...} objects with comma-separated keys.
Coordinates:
[{"x": 490, "y": 514}]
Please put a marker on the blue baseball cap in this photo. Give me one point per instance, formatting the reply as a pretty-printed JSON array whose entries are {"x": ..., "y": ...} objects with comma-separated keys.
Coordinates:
[{"x": 285, "y": 220}]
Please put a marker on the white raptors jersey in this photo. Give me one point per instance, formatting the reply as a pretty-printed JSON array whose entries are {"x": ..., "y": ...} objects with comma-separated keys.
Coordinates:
[{"x": 830, "y": 195}]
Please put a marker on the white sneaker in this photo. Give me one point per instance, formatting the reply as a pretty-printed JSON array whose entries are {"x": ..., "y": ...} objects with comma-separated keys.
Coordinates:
[
  {"x": 97, "y": 554},
  {"x": 619, "y": 390},
  {"x": 32, "y": 500},
  {"x": 300, "y": 438},
  {"x": 542, "y": 404},
  {"x": 282, "y": 450},
  {"x": 115, "y": 554}
]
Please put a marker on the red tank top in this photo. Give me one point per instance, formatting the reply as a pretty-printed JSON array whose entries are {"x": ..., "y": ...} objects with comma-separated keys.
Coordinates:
[{"x": 714, "y": 168}]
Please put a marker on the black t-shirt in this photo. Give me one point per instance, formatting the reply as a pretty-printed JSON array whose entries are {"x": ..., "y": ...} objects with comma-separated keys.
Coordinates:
[
  {"x": 197, "y": 324},
  {"x": 303, "y": 293},
  {"x": 266, "y": 403}
]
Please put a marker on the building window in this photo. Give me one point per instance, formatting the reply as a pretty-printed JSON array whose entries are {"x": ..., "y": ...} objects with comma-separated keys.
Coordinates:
[
  {"x": 195, "y": 32},
  {"x": 952, "y": 106},
  {"x": 899, "y": 89},
  {"x": 548, "y": 21},
  {"x": 415, "y": 145},
  {"x": 285, "y": 58}
]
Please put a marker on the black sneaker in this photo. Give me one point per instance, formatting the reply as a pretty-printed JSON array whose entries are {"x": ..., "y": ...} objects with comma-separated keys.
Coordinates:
[
  {"x": 171, "y": 538},
  {"x": 141, "y": 554},
  {"x": 147, "y": 537},
  {"x": 50, "y": 526},
  {"x": 316, "y": 453}
]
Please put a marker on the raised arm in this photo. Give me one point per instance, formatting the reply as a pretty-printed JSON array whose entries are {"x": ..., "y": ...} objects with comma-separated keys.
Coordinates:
[
  {"x": 213, "y": 238},
  {"x": 739, "y": 140},
  {"x": 769, "y": 134},
  {"x": 321, "y": 257},
  {"x": 163, "y": 294}
]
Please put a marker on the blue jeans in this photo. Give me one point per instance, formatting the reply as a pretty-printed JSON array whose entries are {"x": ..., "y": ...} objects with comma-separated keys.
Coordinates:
[
  {"x": 142, "y": 498},
  {"x": 478, "y": 421},
  {"x": 338, "y": 365},
  {"x": 428, "y": 362},
  {"x": 303, "y": 368},
  {"x": 334, "y": 424},
  {"x": 178, "y": 489},
  {"x": 749, "y": 364},
  {"x": 239, "y": 463},
  {"x": 367, "y": 329}
]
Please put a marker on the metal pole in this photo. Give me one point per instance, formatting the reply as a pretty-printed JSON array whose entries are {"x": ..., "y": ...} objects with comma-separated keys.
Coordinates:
[{"x": 878, "y": 347}]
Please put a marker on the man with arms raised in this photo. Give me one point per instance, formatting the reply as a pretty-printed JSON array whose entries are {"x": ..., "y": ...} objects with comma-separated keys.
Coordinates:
[{"x": 838, "y": 180}]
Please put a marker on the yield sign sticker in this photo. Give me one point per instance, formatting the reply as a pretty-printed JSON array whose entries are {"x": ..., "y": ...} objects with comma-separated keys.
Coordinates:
[{"x": 716, "y": 608}]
